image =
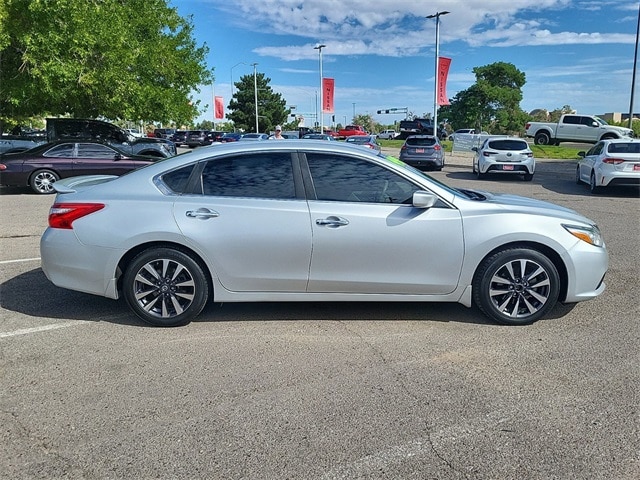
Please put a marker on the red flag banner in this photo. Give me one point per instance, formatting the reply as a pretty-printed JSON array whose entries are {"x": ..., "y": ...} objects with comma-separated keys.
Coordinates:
[
  {"x": 219, "y": 108},
  {"x": 327, "y": 95},
  {"x": 443, "y": 72}
]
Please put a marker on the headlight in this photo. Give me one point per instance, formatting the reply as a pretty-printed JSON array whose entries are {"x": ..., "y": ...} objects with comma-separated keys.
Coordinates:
[{"x": 591, "y": 234}]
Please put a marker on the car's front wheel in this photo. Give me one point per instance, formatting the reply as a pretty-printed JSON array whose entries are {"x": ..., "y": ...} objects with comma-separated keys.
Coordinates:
[
  {"x": 516, "y": 286},
  {"x": 165, "y": 287}
]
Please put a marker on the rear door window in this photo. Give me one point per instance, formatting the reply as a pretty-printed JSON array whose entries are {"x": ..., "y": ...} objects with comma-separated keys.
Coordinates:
[{"x": 259, "y": 175}]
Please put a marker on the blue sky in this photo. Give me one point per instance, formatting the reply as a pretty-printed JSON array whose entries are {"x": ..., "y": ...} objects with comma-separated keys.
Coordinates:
[{"x": 381, "y": 53}]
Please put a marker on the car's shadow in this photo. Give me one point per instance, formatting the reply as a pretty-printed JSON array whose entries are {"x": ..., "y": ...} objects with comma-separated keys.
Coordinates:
[{"x": 32, "y": 294}]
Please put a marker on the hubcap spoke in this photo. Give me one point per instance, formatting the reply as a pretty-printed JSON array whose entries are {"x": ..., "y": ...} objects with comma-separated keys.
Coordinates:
[
  {"x": 520, "y": 288},
  {"x": 164, "y": 288}
]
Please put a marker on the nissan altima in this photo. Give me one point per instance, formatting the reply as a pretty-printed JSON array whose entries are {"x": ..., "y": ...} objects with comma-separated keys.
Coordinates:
[{"x": 312, "y": 221}]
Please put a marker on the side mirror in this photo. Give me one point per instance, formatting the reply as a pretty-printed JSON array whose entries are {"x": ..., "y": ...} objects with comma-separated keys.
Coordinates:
[
  {"x": 117, "y": 156},
  {"x": 595, "y": 124},
  {"x": 474, "y": 149},
  {"x": 582, "y": 154},
  {"x": 423, "y": 199}
]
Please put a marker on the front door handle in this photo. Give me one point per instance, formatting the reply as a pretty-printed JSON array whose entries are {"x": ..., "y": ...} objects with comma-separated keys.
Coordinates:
[
  {"x": 332, "y": 221},
  {"x": 202, "y": 213}
]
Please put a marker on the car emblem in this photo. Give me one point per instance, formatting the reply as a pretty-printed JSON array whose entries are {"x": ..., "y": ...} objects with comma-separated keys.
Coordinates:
[{"x": 509, "y": 154}]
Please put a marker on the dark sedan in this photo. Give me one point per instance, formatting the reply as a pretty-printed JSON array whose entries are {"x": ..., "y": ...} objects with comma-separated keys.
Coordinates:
[
  {"x": 197, "y": 138},
  {"x": 41, "y": 166}
]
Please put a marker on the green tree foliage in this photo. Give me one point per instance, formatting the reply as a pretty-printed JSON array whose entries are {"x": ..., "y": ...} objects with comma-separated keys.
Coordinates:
[
  {"x": 492, "y": 103},
  {"x": 272, "y": 109},
  {"x": 367, "y": 121},
  {"x": 554, "y": 115},
  {"x": 134, "y": 59}
]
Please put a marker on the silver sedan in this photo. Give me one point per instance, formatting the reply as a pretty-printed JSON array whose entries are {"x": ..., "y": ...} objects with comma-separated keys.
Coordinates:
[{"x": 312, "y": 221}]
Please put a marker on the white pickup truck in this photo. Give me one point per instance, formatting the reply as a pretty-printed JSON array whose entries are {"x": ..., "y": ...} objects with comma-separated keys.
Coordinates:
[{"x": 574, "y": 128}]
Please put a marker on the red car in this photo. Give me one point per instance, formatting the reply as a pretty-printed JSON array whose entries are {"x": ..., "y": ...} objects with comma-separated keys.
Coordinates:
[{"x": 351, "y": 130}]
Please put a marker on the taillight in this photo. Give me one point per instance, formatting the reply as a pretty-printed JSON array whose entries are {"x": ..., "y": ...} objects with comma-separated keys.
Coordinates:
[
  {"x": 3, "y": 166},
  {"x": 526, "y": 127},
  {"x": 437, "y": 147},
  {"x": 613, "y": 161},
  {"x": 62, "y": 215}
]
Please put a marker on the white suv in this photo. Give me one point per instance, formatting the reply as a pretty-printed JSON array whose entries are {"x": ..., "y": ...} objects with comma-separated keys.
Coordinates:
[
  {"x": 388, "y": 134},
  {"x": 508, "y": 155}
]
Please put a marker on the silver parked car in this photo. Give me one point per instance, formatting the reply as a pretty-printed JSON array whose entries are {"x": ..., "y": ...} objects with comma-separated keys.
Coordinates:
[
  {"x": 312, "y": 221},
  {"x": 610, "y": 163},
  {"x": 504, "y": 155}
]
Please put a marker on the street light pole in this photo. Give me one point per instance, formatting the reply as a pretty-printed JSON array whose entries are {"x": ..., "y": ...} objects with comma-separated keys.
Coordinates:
[
  {"x": 239, "y": 63},
  {"x": 319, "y": 48},
  {"x": 255, "y": 92},
  {"x": 435, "y": 93},
  {"x": 633, "y": 79}
]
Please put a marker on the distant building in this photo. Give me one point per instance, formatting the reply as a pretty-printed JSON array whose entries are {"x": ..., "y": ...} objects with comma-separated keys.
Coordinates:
[{"x": 618, "y": 117}]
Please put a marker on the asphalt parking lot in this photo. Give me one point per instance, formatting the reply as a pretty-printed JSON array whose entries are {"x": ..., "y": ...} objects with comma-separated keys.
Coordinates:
[{"x": 322, "y": 391}]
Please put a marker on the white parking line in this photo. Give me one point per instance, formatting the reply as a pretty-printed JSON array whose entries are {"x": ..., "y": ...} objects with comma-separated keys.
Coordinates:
[
  {"x": 53, "y": 326},
  {"x": 20, "y": 260}
]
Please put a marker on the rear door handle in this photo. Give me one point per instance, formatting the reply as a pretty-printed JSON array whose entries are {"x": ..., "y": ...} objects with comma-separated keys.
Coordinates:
[{"x": 202, "y": 213}]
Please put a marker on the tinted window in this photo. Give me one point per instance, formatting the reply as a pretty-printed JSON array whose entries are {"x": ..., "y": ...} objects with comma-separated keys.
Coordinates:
[
  {"x": 346, "y": 179},
  {"x": 177, "y": 180},
  {"x": 571, "y": 119},
  {"x": 422, "y": 142},
  {"x": 61, "y": 151},
  {"x": 624, "y": 148},
  {"x": 92, "y": 150},
  {"x": 262, "y": 175},
  {"x": 596, "y": 149},
  {"x": 508, "y": 145}
]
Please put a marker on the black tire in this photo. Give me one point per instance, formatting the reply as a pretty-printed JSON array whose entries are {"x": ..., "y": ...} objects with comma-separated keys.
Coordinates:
[
  {"x": 516, "y": 286},
  {"x": 593, "y": 187},
  {"x": 578, "y": 181},
  {"x": 528, "y": 177},
  {"x": 42, "y": 181},
  {"x": 165, "y": 287},
  {"x": 542, "y": 138}
]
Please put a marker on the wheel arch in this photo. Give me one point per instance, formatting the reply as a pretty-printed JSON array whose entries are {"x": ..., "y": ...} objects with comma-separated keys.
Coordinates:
[
  {"x": 547, "y": 251},
  {"x": 609, "y": 136},
  {"x": 132, "y": 253}
]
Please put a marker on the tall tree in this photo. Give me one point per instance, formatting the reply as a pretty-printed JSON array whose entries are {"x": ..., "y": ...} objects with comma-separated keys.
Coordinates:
[
  {"x": 492, "y": 103},
  {"x": 272, "y": 109},
  {"x": 134, "y": 59}
]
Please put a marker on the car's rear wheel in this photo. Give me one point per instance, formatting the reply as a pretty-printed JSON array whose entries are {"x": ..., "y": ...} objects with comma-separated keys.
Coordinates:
[
  {"x": 516, "y": 286},
  {"x": 578, "y": 180},
  {"x": 165, "y": 287},
  {"x": 42, "y": 181},
  {"x": 542, "y": 138},
  {"x": 593, "y": 185}
]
